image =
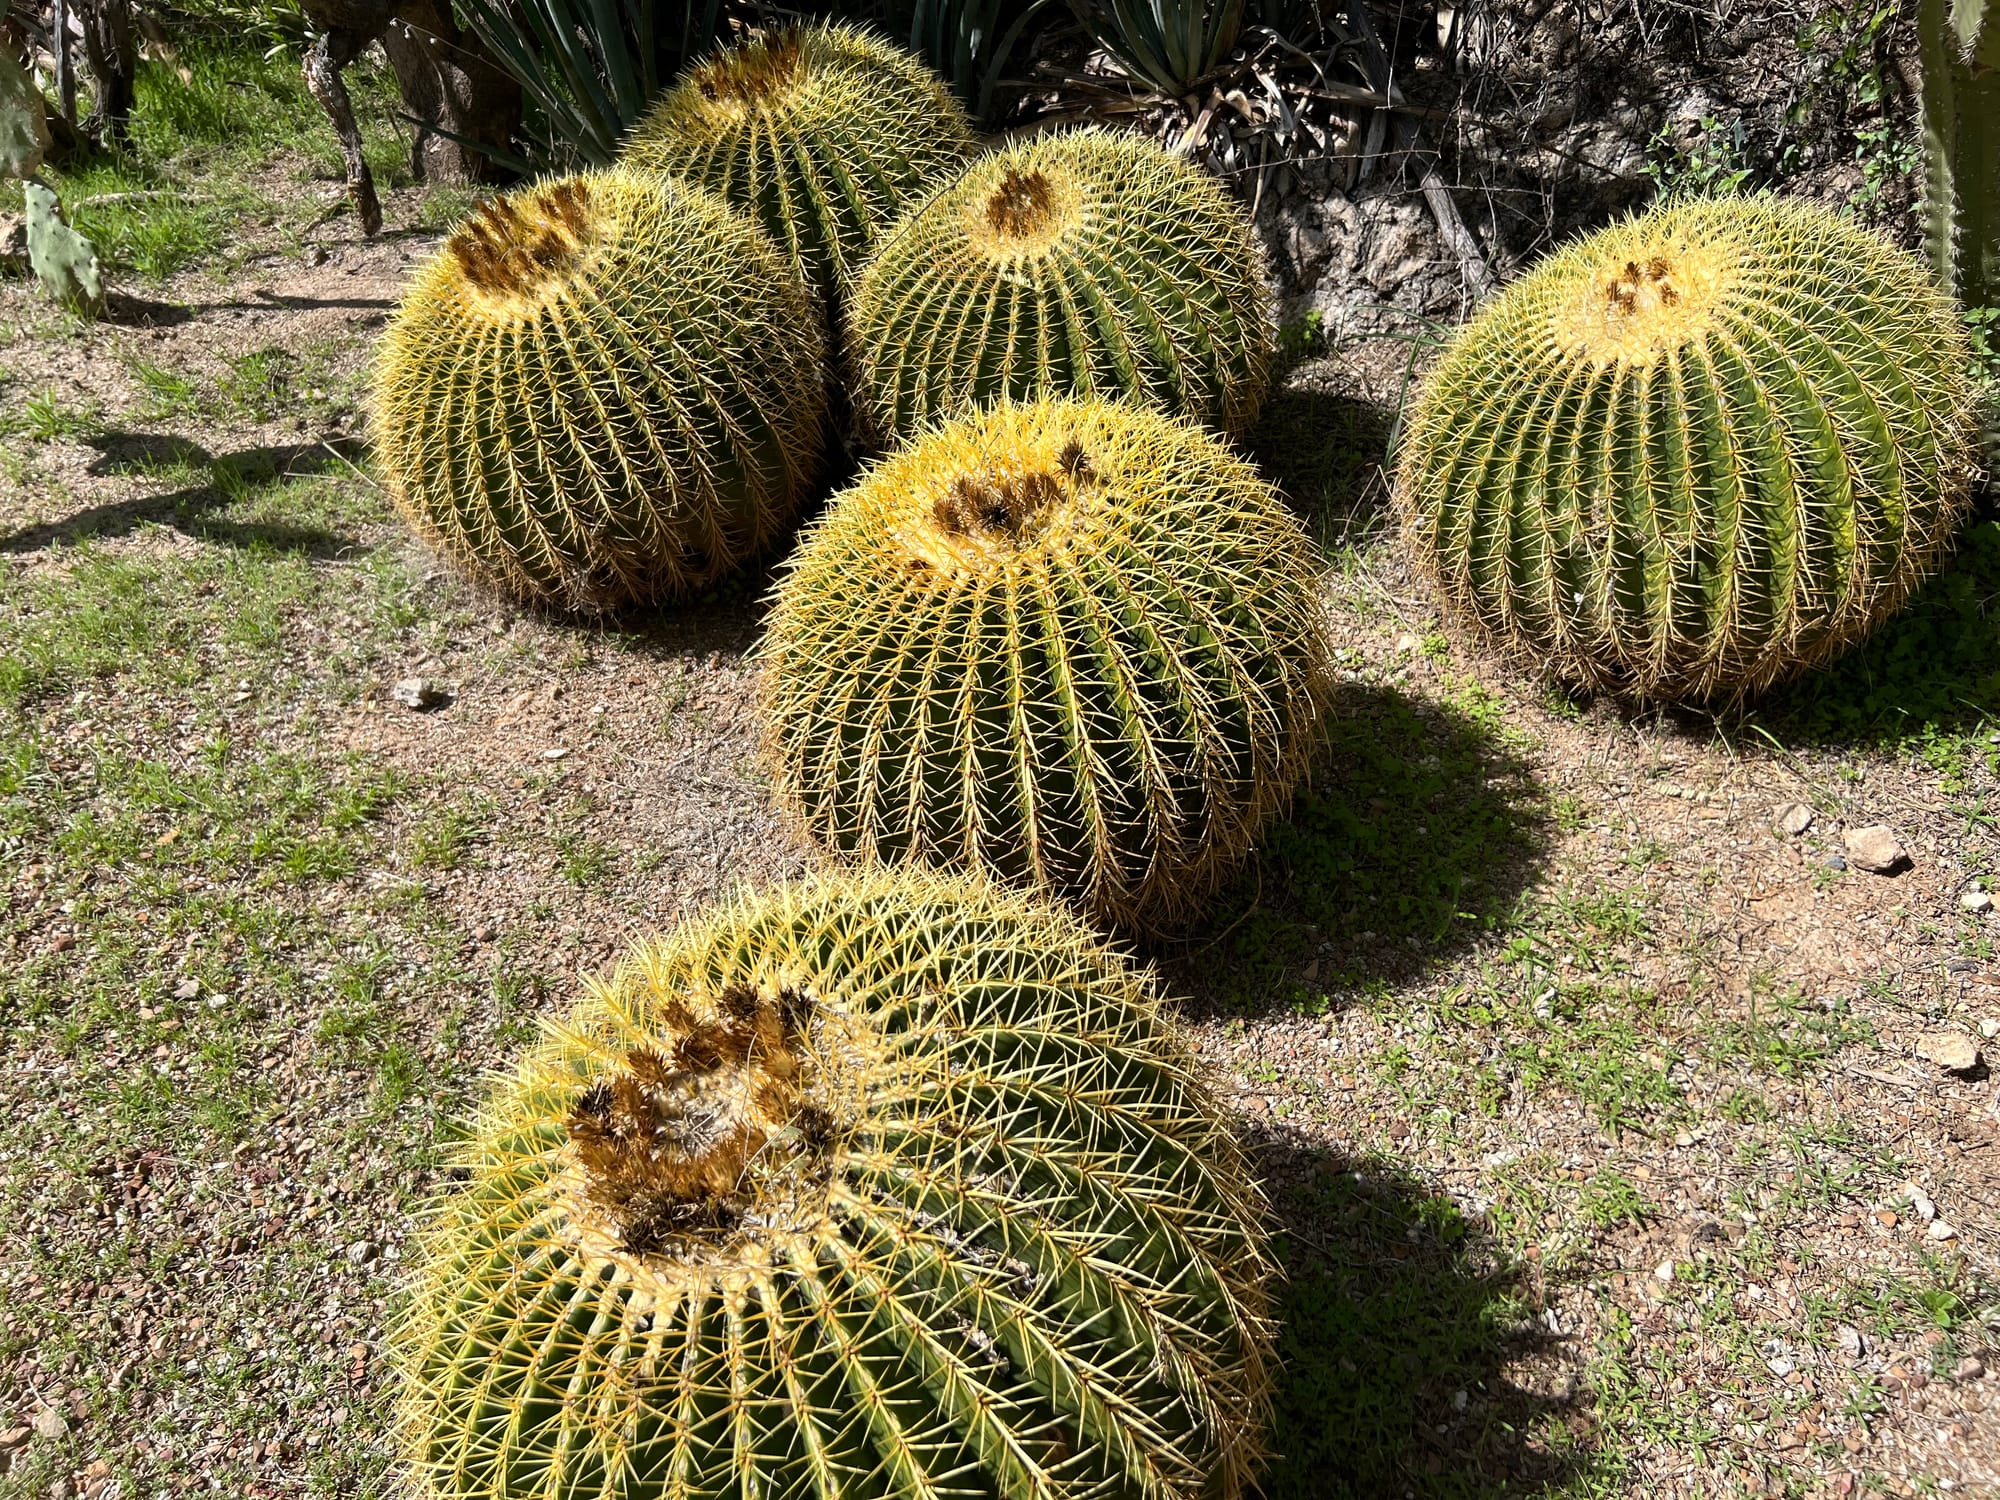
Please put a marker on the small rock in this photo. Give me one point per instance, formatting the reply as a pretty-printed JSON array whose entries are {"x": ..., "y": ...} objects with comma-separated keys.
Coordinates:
[
  {"x": 49, "y": 1423},
  {"x": 1990, "y": 1027},
  {"x": 13, "y": 1437},
  {"x": 1836, "y": 862},
  {"x": 1407, "y": 642},
  {"x": 14, "y": 244},
  {"x": 484, "y": 932},
  {"x": 1972, "y": 1367},
  {"x": 1919, "y": 1201},
  {"x": 1875, "y": 849},
  {"x": 556, "y": 754},
  {"x": 1851, "y": 1343},
  {"x": 361, "y": 1252},
  {"x": 1976, "y": 902},
  {"x": 59, "y": 1489},
  {"x": 1795, "y": 818},
  {"x": 1664, "y": 1271},
  {"x": 1780, "y": 1367},
  {"x": 419, "y": 693},
  {"x": 187, "y": 989},
  {"x": 1953, "y": 1051},
  {"x": 1940, "y": 1230}
]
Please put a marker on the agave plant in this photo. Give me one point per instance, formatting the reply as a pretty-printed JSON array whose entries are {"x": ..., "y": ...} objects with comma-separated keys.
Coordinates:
[
  {"x": 1167, "y": 45},
  {"x": 968, "y": 42},
  {"x": 589, "y": 68}
]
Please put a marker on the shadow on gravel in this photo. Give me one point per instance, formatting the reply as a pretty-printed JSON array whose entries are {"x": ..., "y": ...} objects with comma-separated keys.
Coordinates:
[
  {"x": 1936, "y": 665},
  {"x": 1325, "y": 451},
  {"x": 1418, "y": 832},
  {"x": 192, "y": 510},
  {"x": 1397, "y": 1321}
]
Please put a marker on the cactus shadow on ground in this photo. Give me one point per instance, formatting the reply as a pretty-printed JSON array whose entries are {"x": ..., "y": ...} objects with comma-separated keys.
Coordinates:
[
  {"x": 1933, "y": 669},
  {"x": 1399, "y": 1328},
  {"x": 1325, "y": 451},
  {"x": 221, "y": 479},
  {"x": 1418, "y": 831}
]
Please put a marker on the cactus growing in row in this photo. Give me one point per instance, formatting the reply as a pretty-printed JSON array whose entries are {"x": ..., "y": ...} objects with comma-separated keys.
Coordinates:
[
  {"x": 884, "y": 1187},
  {"x": 1696, "y": 452},
  {"x": 604, "y": 390},
  {"x": 1092, "y": 263},
  {"x": 1070, "y": 643},
  {"x": 821, "y": 132}
]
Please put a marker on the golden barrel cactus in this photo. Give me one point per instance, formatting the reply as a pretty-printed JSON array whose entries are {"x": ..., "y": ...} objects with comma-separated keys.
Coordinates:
[
  {"x": 604, "y": 390},
  {"x": 1091, "y": 263},
  {"x": 892, "y": 1186},
  {"x": 1695, "y": 453},
  {"x": 1075, "y": 644},
  {"x": 822, "y": 132}
]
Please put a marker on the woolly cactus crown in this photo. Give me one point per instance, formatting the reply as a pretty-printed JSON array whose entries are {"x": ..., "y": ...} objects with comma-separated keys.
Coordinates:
[
  {"x": 1697, "y": 452},
  {"x": 875, "y": 1187},
  {"x": 1091, "y": 263},
  {"x": 604, "y": 390}
]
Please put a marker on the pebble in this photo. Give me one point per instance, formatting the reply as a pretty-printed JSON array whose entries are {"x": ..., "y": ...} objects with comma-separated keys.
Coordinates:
[
  {"x": 1795, "y": 818},
  {"x": 1664, "y": 1271},
  {"x": 49, "y": 1423},
  {"x": 1940, "y": 1230},
  {"x": 1836, "y": 862},
  {"x": 1976, "y": 902},
  {"x": 1972, "y": 1367},
  {"x": 1851, "y": 1342},
  {"x": 1919, "y": 1201},
  {"x": 187, "y": 989},
  {"x": 1875, "y": 849},
  {"x": 361, "y": 1252},
  {"x": 1953, "y": 1051},
  {"x": 1990, "y": 1027},
  {"x": 419, "y": 693}
]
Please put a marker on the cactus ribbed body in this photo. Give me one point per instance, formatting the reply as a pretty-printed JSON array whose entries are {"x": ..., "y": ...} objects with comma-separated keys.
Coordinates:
[
  {"x": 1071, "y": 643},
  {"x": 604, "y": 390},
  {"x": 1091, "y": 263},
  {"x": 889, "y": 1187},
  {"x": 1696, "y": 452},
  {"x": 822, "y": 132}
]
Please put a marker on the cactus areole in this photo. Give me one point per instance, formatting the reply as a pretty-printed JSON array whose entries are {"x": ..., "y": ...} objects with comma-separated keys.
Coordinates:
[
  {"x": 885, "y": 1187},
  {"x": 1697, "y": 452}
]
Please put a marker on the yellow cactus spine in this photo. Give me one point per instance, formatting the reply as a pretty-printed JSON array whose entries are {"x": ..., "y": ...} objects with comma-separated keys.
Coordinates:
[
  {"x": 1091, "y": 263},
  {"x": 1695, "y": 453},
  {"x": 604, "y": 390},
  {"x": 1075, "y": 644},
  {"x": 823, "y": 133},
  {"x": 890, "y": 1186}
]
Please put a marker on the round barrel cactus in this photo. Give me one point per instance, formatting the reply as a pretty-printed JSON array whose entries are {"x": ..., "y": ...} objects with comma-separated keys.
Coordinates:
[
  {"x": 1694, "y": 453},
  {"x": 822, "y": 132},
  {"x": 896, "y": 1186},
  {"x": 1071, "y": 643},
  {"x": 1092, "y": 263},
  {"x": 604, "y": 390}
]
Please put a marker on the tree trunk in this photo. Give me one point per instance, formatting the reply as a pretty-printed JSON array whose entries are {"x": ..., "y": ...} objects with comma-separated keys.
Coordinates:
[
  {"x": 108, "y": 47},
  {"x": 453, "y": 89}
]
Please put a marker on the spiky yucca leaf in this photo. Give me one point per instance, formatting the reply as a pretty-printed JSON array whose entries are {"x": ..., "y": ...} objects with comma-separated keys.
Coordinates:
[
  {"x": 1092, "y": 263},
  {"x": 1071, "y": 643},
  {"x": 1694, "y": 453},
  {"x": 894, "y": 1186},
  {"x": 823, "y": 132},
  {"x": 604, "y": 390}
]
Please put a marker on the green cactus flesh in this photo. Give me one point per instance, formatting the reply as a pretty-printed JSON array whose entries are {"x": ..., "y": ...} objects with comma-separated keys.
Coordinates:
[
  {"x": 605, "y": 390},
  {"x": 1073, "y": 644},
  {"x": 1091, "y": 263},
  {"x": 822, "y": 132},
  {"x": 1695, "y": 453},
  {"x": 890, "y": 1187}
]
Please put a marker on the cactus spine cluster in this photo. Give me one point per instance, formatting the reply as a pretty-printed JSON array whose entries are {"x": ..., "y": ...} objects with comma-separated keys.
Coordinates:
[
  {"x": 604, "y": 390},
  {"x": 1091, "y": 263},
  {"x": 821, "y": 132},
  {"x": 1070, "y": 643},
  {"x": 1696, "y": 452},
  {"x": 895, "y": 1186}
]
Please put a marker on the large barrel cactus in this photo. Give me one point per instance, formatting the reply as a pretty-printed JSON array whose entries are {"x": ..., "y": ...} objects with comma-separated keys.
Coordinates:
[
  {"x": 1695, "y": 453},
  {"x": 1092, "y": 263},
  {"x": 604, "y": 390},
  {"x": 882, "y": 1188},
  {"x": 1071, "y": 643},
  {"x": 822, "y": 132}
]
